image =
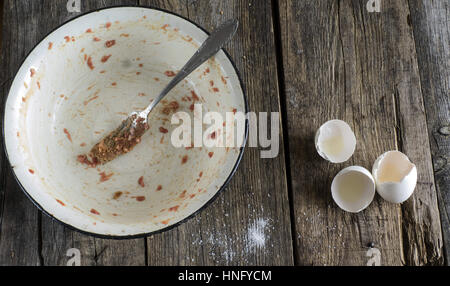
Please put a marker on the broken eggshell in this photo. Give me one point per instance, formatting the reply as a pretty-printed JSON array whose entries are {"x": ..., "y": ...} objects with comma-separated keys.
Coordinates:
[
  {"x": 395, "y": 176},
  {"x": 353, "y": 189},
  {"x": 335, "y": 141}
]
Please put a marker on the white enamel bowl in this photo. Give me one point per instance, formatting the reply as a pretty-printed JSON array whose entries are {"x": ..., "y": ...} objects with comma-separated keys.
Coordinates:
[{"x": 63, "y": 87}]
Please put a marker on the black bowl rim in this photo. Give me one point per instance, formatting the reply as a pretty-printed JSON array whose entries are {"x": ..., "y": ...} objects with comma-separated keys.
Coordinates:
[{"x": 146, "y": 234}]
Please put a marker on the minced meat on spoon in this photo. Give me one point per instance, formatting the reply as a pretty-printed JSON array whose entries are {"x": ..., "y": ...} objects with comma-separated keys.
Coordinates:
[
  {"x": 120, "y": 141},
  {"x": 123, "y": 139}
]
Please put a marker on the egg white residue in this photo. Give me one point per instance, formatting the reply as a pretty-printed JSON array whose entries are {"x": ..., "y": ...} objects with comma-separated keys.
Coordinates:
[
  {"x": 353, "y": 189},
  {"x": 335, "y": 141},
  {"x": 395, "y": 176}
]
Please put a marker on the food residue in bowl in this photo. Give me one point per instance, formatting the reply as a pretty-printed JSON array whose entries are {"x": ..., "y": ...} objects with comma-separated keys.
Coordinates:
[
  {"x": 105, "y": 177},
  {"x": 117, "y": 195},
  {"x": 110, "y": 43},
  {"x": 141, "y": 181},
  {"x": 120, "y": 141},
  {"x": 67, "y": 134}
]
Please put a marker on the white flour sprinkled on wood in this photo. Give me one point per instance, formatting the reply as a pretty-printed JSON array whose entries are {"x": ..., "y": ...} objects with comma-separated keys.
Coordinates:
[
  {"x": 256, "y": 233},
  {"x": 219, "y": 243}
]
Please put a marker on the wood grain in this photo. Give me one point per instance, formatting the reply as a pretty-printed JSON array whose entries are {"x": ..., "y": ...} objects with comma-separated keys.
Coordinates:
[
  {"x": 422, "y": 235},
  {"x": 387, "y": 74},
  {"x": 365, "y": 63},
  {"x": 429, "y": 20},
  {"x": 256, "y": 200},
  {"x": 1, "y": 22},
  {"x": 26, "y": 237},
  {"x": 19, "y": 232},
  {"x": 337, "y": 64}
]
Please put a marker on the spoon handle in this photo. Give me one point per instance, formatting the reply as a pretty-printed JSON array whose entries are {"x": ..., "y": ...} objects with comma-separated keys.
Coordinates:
[{"x": 209, "y": 48}]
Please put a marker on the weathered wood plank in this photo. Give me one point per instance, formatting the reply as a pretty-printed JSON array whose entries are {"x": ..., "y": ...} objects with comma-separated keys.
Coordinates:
[
  {"x": 429, "y": 20},
  {"x": 25, "y": 24},
  {"x": 1, "y": 23},
  {"x": 335, "y": 66},
  {"x": 18, "y": 217},
  {"x": 422, "y": 236},
  {"x": 256, "y": 200}
]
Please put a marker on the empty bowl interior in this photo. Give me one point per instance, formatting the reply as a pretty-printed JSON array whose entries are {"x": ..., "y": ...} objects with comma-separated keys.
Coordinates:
[{"x": 79, "y": 83}]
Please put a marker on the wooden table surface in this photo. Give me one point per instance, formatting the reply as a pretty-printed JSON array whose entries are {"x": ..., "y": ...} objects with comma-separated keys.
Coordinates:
[{"x": 387, "y": 74}]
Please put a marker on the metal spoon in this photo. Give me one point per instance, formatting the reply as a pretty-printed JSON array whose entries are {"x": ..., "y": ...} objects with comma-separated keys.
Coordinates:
[{"x": 128, "y": 134}]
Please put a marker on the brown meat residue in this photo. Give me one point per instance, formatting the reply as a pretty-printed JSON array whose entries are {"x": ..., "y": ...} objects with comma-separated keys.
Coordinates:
[
  {"x": 140, "y": 198},
  {"x": 141, "y": 181},
  {"x": 170, "y": 107},
  {"x": 169, "y": 73},
  {"x": 117, "y": 195},
  {"x": 120, "y": 141},
  {"x": 89, "y": 63},
  {"x": 86, "y": 102},
  {"x": 105, "y": 177},
  {"x": 105, "y": 58},
  {"x": 68, "y": 134},
  {"x": 184, "y": 159},
  {"x": 95, "y": 212},
  {"x": 83, "y": 159},
  {"x": 60, "y": 202},
  {"x": 110, "y": 43},
  {"x": 163, "y": 130},
  {"x": 194, "y": 96},
  {"x": 223, "y": 80}
]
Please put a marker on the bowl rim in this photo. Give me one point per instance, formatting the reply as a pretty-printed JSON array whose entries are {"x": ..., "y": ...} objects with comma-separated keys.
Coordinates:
[{"x": 145, "y": 234}]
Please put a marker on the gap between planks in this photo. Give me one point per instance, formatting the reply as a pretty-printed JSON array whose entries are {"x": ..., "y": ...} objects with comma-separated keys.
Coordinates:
[{"x": 282, "y": 94}]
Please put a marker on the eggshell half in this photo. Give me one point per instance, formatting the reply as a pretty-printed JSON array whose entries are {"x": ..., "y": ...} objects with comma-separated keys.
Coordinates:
[
  {"x": 353, "y": 189},
  {"x": 335, "y": 141},
  {"x": 395, "y": 176}
]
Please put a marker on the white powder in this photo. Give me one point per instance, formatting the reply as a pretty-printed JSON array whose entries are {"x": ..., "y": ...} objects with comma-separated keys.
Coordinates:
[
  {"x": 256, "y": 233},
  {"x": 219, "y": 243}
]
